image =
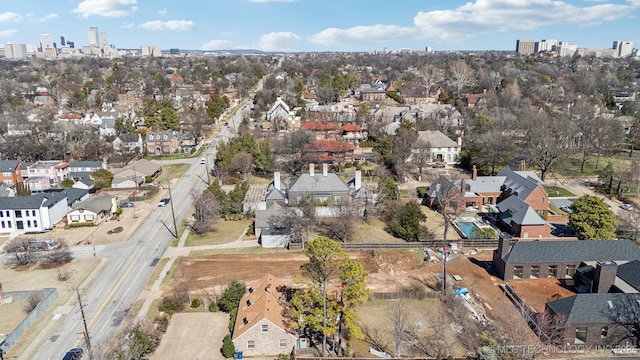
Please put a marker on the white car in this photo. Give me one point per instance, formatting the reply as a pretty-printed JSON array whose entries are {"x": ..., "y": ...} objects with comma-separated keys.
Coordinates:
[
  {"x": 203, "y": 160},
  {"x": 627, "y": 207}
]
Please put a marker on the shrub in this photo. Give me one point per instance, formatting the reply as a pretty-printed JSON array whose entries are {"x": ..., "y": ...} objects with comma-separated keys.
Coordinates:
[
  {"x": 81, "y": 224},
  {"x": 118, "y": 211},
  {"x": 195, "y": 303},
  {"x": 228, "y": 348},
  {"x": 251, "y": 230},
  {"x": 422, "y": 191},
  {"x": 213, "y": 307}
]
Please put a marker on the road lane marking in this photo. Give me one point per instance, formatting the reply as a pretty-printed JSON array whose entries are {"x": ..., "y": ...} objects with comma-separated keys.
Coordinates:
[{"x": 104, "y": 304}]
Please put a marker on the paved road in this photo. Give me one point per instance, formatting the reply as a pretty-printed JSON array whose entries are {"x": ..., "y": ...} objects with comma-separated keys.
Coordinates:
[{"x": 126, "y": 267}]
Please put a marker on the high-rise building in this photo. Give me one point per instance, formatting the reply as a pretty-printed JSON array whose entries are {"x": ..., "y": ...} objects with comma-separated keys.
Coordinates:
[
  {"x": 525, "y": 47},
  {"x": 15, "y": 51},
  {"x": 565, "y": 49},
  {"x": 46, "y": 42},
  {"x": 94, "y": 36},
  {"x": 624, "y": 48},
  {"x": 546, "y": 45},
  {"x": 63, "y": 40},
  {"x": 105, "y": 41}
]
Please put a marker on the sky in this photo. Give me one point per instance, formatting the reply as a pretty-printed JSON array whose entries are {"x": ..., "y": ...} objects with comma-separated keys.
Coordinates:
[{"x": 323, "y": 25}]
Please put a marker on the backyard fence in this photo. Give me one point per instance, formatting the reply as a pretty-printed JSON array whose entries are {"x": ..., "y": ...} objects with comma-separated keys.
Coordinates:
[
  {"x": 407, "y": 294},
  {"x": 48, "y": 296}
]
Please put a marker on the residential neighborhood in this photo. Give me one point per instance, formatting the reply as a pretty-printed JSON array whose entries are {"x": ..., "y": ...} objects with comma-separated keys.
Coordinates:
[{"x": 310, "y": 203}]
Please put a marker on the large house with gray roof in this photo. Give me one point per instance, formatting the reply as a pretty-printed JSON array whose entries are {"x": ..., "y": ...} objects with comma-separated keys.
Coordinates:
[
  {"x": 327, "y": 190},
  {"x": 604, "y": 273}
]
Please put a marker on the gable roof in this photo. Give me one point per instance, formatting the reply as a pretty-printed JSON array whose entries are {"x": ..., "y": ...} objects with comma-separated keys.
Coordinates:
[
  {"x": 440, "y": 188},
  {"x": 518, "y": 183},
  {"x": 97, "y": 204},
  {"x": 319, "y": 126},
  {"x": 590, "y": 308},
  {"x": 86, "y": 164},
  {"x": 572, "y": 251},
  {"x": 74, "y": 194},
  {"x": 264, "y": 217},
  {"x": 329, "y": 145},
  {"x": 261, "y": 301},
  {"x": 8, "y": 165},
  {"x": 514, "y": 209}
]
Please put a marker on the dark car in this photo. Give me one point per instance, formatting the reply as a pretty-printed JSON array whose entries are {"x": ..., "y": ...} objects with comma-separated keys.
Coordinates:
[
  {"x": 163, "y": 202},
  {"x": 126, "y": 204},
  {"x": 74, "y": 354},
  {"x": 439, "y": 166}
]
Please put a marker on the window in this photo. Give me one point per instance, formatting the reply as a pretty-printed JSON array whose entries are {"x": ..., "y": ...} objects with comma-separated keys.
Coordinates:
[
  {"x": 604, "y": 332},
  {"x": 28, "y": 223},
  {"x": 535, "y": 271},
  {"x": 265, "y": 328},
  {"x": 517, "y": 272},
  {"x": 88, "y": 217},
  {"x": 6, "y": 174},
  {"x": 251, "y": 344},
  {"x": 282, "y": 343},
  {"x": 18, "y": 213},
  {"x": 542, "y": 200},
  {"x": 581, "y": 335},
  {"x": 35, "y": 223},
  {"x": 3, "y": 225},
  {"x": 33, "y": 213},
  {"x": 75, "y": 218},
  {"x": 1, "y": 213},
  {"x": 19, "y": 225},
  {"x": 571, "y": 270},
  {"x": 553, "y": 271}
]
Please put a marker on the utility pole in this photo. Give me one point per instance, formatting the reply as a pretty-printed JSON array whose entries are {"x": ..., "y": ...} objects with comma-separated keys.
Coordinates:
[
  {"x": 445, "y": 252},
  {"x": 135, "y": 178},
  {"x": 173, "y": 213},
  {"x": 86, "y": 329}
]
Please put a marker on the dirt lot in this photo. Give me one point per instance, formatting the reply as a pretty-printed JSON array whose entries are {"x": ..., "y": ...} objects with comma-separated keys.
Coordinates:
[
  {"x": 191, "y": 336},
  {"x": 538, "y": 292}
]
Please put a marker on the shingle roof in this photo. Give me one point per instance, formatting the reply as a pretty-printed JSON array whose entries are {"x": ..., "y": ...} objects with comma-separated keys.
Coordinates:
[
  {"x": 572, "y": 251},
  {"x": 630, "y": 273},
  {"x": 319, "y": 183},
  {"x": 86, "y": 164},
  {"x": 98, "y": 203},
  {"x": 435, "y": 139},
  {"x": 74, "y": 194},
  {"x": 31, "y": 202},
  {"x": 8, "y": 165},
  {"x": 261, "y": 301},
  {"x": 264, "y": 217},
  {"x": 590, "y": 308},
  {"x": 515, "y": 210},
  {"x": 518, "y": 183}
]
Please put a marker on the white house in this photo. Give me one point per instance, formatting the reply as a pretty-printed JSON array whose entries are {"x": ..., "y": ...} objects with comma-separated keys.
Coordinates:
[
  {"x": 35, "y": 213},
  {"x": 441, "y": 148}
]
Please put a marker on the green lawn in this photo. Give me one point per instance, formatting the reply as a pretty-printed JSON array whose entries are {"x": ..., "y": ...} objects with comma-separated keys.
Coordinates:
[
  {"x": 223, "y": 232},
  {"x": 572, "y": 166},
  {"x": 173, "y": 171},
  {"x": 556, "y": 191}
]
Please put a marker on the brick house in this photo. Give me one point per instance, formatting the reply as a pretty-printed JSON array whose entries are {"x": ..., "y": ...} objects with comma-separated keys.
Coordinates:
[
  {"x": 328, "y": 151},
  {"x": 260, "y": 328},
  {"x": 353, "y": 133},
  {"x": 444, "y": 193},
  {"x": 53, "y": 170},
  {"x": 163, "y": 142},
  {"x": 10, "y": 172},
  {"x": 321, "y": 129},
  {"x": 441, "y": 148}
]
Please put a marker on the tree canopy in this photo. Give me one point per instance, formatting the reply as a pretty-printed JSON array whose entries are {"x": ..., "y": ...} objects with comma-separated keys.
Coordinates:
[{"x": 591, "y": 219}]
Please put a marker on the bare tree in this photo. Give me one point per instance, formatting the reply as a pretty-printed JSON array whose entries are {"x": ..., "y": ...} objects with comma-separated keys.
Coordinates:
[
  {"x": 206, "y": 211},
  {"x": 421, "y": 154},
  {"x": 547, "y": 140},
  {"x": 59, "y": 254},
  {"x": 431, "y": 76},
  {"x": 341, "y": 225},
  {"x": 625, "y": 315},
  {"x": 461, "y": 74},
  {"x": 431, "y": 336},
  {"x": 20, "y": 251},
  {"x": 399, "y": 318}
]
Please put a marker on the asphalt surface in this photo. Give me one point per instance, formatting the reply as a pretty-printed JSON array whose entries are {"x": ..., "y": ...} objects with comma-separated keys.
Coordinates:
[{"x": 110, "y": 292}]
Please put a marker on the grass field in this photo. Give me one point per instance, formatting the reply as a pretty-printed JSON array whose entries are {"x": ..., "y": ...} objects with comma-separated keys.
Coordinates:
[
  {"x": 223, "y": 232},
  {"x": 556, "y": 191}
]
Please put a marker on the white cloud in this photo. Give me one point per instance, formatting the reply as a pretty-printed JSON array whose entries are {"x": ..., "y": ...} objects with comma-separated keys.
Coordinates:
[
  {"x": 43, "y": 18},
  {"x": 269, "y": 1},
  {"x": 162, "y": 11},
  {"x": 484, "y": 16},
  {"x": 171, "y": 25},
  {"x": 10, "y": 16},
  {"x": 216, "y": 45},
  {"x": 8, "y": 33},
  {"x": 359, "y": 35},
  {"x": 128, "y": 25},
  {"x": 106, "y": 8},
  {"x": 279, "y": 41}
]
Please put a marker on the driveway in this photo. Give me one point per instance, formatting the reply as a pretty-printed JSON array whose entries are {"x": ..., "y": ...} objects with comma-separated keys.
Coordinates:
[{"x": 193, "y": 336}]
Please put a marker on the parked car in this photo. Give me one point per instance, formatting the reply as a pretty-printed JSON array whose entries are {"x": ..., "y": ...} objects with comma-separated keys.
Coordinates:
[
  {"x": 163, "y": 202},
  {"x": 439, "y": 166},
  {"x": 203, "y": 160},
  {"x": 74, "y": 354},
  {"x": 566, "y": 209},
  {"x": 126, "y": 204},
  {"x": 627, "y": 207}
]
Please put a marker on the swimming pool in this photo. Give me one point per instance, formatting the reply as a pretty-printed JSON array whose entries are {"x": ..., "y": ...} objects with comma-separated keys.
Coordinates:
[{"x": 467, "y": 228}]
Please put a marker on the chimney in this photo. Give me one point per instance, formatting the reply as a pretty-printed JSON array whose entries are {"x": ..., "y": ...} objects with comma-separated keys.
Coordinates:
[
  {"x": 276, "y": 180},
  {"x": 268, "y": 288},
  {"x": 503, "y": 246},
  {"x": 463, "y": 186},
  {"x": 325, "y": 169},
  {"x": 248, "y": 302},
  {"x": 604, "y": 277},
  {"x": 474, "y": 173},
  {"x": 523, "y": 165},
  {"x": 311, "y": 169},
  {"x": 245, "y": 321},
  {"x": 250, "y": 290},
  {"x": 358, "y": 180}
]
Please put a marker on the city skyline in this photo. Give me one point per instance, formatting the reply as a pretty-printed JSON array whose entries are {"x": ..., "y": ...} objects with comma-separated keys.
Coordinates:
[{"x": 311, "y": 25}]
